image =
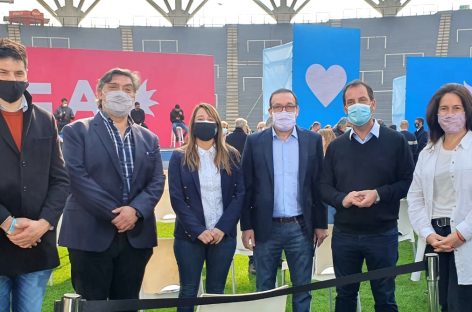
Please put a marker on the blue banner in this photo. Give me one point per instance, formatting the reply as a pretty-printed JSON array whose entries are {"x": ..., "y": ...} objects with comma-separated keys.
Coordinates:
[
  {"x": 425, "y": 75},
  {"x": 277, "y": 72},
  {"x": 325, "y": 59}
]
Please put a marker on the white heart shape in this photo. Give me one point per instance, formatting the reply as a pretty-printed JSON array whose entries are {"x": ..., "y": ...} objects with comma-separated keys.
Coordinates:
[{"x": 325, "y": 84}]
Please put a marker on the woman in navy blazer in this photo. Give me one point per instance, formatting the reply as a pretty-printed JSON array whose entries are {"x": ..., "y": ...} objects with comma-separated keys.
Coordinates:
[{"x": 207, "y": 193}]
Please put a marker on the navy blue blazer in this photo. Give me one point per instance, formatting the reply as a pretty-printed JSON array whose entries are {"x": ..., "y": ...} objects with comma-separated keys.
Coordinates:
[
  {"x": 96, "y": 186},
  {"x": 186, "y": 200},
  {"x": 258, "y": 168}
]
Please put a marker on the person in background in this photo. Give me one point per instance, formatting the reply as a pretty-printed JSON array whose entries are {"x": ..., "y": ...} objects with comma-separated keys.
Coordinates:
[
  {"x": 207, "y": 194},
  {"x": 138, "y": 115},
  {"x": 410, "y": 138},
  {"x": 328, "y": 127},
  {"x": 33, "y": 187},
  {"x": 421, "y": 135},
  {"x": 63, "y": 114},
  {"x": 393, "y": 127},
  {"x": 225, "y": 127},
  {"x": 261, "y": 125},
  {"x": 328, "y": 136},
  {"x": 316, "y": 126},
  {"x": 439, "y": 199},
  {"x": 365, "y": 175},
  {"x": 237, "y": 138},
  {"x": 117, "y": 179},
  {"x": 340, "y": 127},
  {"x": 177, "y": 119}
]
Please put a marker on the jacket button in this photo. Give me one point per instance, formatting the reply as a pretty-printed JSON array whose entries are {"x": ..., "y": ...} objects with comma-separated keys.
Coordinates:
[
  {"x": 23, "y": 163},
  {"x": 25, "y": 188}
]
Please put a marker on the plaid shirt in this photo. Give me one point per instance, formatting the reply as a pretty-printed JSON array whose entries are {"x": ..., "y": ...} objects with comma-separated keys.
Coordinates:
[{"x": 125, "y": 149}]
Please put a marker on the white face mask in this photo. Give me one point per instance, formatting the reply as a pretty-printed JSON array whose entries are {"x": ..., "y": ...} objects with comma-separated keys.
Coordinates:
[
  {"x": 118, "y": 103},
  {"x": 284, "y": 121},
  {"x": 225, "y": 131}
]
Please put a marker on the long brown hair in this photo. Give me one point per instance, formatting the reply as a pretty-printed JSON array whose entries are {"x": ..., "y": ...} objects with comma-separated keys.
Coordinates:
[
  {"x": 226, "y": 155},
  {"x": 328, "y": 137}
]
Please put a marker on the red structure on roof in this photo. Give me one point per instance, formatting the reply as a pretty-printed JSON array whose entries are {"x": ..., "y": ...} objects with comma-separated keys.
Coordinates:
[{"x": 34, "y": 17}]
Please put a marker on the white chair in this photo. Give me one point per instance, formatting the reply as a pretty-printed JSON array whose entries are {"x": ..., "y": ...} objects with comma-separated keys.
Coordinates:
[
  {"x": 323, "y": 268},
  {"x": 274, "y": 304},
  {"x": 161, "y": 277},
  {"x": 240, "y": 250},
  {"x": 405, "y": 230},
  {"x": 163, "y": 210},
  {"x": 179, "y": 139}
]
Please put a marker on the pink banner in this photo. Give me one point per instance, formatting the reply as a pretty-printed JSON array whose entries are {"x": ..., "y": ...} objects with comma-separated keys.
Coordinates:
[{"x": 166, "y": 80}]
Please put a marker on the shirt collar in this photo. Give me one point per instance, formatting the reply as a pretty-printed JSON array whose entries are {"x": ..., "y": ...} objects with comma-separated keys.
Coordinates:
[
  {"x": 23, "y": 105},
  {"x": 203, "y": 152},
  {"x": 293, "y": 134},
  {"x": 110, "y": 121},
  {"x": 466, "y": 141},
  {"x": 375, "y": 130}
]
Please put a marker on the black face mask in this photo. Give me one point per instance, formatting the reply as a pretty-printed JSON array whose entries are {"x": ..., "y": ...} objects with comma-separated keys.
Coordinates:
[
  {"x": 11, "y": 91},
  {"x": 204, "y": 131}
]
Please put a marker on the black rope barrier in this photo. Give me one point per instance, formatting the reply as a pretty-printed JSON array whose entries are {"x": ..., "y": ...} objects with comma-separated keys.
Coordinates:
[{"x": 142, "y": 304}]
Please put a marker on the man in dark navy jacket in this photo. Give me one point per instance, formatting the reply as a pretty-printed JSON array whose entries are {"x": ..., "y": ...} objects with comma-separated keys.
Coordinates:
[
  {"x": 117, "y": 179},
  {"x": 283, "y": 210}
]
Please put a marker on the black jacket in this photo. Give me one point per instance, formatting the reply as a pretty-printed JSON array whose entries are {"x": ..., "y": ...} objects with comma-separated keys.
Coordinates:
[
  {"x": 176, "y": 115},
  {"x": 34, "y": 185},
  {"x": 237, "y": 139}
]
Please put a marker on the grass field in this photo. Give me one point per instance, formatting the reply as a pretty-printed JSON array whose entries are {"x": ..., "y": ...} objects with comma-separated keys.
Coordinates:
[{"x": 411, "y": 296}]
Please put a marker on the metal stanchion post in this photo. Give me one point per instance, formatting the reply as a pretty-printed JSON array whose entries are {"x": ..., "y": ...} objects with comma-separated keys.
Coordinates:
[
  {"x": 70, "y": 303},
  {"x": 432, "y": 278}
]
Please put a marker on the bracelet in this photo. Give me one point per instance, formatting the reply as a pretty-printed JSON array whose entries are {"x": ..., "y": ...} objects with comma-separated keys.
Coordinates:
[
  {"x": 459, "y": 235},
  {"x": 11, "y": 229}
]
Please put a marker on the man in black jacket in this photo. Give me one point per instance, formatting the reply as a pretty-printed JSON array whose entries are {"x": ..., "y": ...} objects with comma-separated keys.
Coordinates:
[
  {"x": 177, "y": 120},
  {"x": 33, "y": 187},
  {"x": 410, "y": 138},
  {"x": 365, "y": 174},
  {"x": 237, "y": 138},
  {"x": 63, "y": 114},
  {"x": 421, "y": 135}
]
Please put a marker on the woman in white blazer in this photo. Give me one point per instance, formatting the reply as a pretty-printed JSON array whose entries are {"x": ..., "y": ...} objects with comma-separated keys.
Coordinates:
[{"x": 440, "y": 196}]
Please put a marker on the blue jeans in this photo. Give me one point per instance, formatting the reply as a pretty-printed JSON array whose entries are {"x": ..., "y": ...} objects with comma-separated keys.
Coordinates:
[
  {"x": 181, "y": 125},
  {"x": 298, "y": 247},
  {"x": 190, "y": 257},
  {"x": 379, "y": 251},
  {"x": 24, "y": 293}
]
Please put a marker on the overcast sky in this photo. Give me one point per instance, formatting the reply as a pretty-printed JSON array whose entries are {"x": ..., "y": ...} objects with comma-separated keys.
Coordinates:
[{"x": 111, "y": 13}]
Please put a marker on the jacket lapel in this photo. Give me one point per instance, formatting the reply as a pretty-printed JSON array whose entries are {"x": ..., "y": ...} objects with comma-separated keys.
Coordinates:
[
  {"x": 302, "y": 156},
  {"x": 102, "y": 132},
  {"x": 138, "y": 150},
  {"x": 268, "y": 153},
  {"x": 196, "y": 180}
]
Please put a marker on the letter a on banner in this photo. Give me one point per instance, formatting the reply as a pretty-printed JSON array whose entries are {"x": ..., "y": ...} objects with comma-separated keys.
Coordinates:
[{"x": 325, "y": 59}]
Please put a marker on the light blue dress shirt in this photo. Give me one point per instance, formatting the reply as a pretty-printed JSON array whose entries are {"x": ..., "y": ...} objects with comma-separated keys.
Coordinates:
[
  {"x": 285, "y": 157},
  {"x": 373, "y": 132}
]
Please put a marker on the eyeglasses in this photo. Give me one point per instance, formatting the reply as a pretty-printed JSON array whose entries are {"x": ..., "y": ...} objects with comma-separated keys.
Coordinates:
[{"x": 288, "y": 108}]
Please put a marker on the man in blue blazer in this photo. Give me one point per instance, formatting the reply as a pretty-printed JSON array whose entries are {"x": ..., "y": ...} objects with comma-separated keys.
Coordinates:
[
  {"x": 117, "y": 179},
  {"x": 283, "y": 209}
]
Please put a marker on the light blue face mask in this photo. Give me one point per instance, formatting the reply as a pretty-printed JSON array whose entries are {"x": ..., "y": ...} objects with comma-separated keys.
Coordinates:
[{"x": 359, "y": 114}]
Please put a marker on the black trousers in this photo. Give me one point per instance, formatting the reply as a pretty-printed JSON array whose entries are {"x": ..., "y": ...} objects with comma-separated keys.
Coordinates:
[
  {"x": 452, "y": 296},
  {"x": 116, "y": 273}
]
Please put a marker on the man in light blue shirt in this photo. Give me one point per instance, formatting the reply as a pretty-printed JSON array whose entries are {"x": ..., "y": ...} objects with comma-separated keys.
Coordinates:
[{"x": 283, "y": 210}]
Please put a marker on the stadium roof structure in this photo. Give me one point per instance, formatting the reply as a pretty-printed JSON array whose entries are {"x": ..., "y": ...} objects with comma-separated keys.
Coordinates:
[{"x": 179, "y": 12}]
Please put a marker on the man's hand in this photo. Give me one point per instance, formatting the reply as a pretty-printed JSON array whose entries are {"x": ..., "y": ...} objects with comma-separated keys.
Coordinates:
[
  {"x": 28, "y": 232},
  {"x": 249, "y": 240},
  {"x": 320, "y": 235},
  {"x": 206, "y": 237},
  {"x": 126, "y": 218},
  {"x": 353, "y": 198},
  {"x": 218, "y": 235},
  {"x": 367, "y": 198}
]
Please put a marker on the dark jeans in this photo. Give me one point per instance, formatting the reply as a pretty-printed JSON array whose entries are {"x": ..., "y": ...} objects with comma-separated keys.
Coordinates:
[
  {"x": 379, "y": 251},
  {"x": 116, "y": 273},
  {"x": 190, "y": 257},
  {"x": 298, "y": 247},
  {"x": 452, "y": 296}
]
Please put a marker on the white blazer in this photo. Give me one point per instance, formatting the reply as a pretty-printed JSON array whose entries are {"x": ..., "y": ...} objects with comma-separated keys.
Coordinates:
[{"x": 420, "y": 200}]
